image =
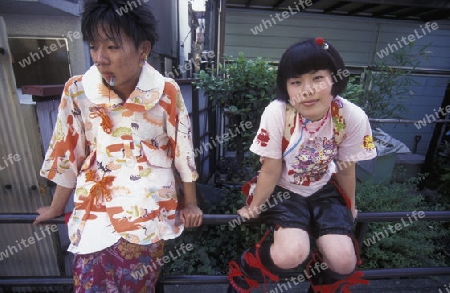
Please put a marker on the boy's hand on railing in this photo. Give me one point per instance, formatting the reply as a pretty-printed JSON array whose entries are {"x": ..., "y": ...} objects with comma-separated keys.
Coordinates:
[
  {"x": 191, "y": 216},
  {"x": 46, "y": 213},
  {"x": 60, "y": 198}
]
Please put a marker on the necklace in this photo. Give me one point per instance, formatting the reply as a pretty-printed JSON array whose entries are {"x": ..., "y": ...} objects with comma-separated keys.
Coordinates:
[
  {"x": 304, "y": 121},
  {"x": 311, "y": 132}
]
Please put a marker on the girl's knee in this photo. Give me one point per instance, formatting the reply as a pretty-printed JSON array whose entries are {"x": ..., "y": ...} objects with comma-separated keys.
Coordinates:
[
  {"x": 289, "y": 257},
  {"x": 341, "y": 262},
  {"x": 338, "y": 252}
]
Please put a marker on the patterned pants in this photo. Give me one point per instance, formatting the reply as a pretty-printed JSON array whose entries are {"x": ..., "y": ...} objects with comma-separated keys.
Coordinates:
[{"x": 122, "y": 268}]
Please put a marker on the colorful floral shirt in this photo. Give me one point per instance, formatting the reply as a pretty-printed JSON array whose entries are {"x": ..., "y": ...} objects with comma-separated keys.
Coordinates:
[
  {"x": 309, "y": 158},
  {"x": 119, "y": 156}
]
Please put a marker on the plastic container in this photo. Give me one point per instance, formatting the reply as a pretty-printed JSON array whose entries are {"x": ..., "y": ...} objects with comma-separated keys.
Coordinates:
[
  {"x": 409, "y": 165},
  {"x": 378, "y": 170}
]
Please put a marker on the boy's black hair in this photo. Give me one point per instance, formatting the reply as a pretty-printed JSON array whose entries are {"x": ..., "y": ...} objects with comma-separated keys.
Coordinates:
[
  {"x": 306, "y": 56},
  {"x": 137, "y": 21}
]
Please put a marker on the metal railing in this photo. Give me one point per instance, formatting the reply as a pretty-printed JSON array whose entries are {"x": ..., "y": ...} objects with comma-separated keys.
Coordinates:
[{"x": 362, "y": 222}]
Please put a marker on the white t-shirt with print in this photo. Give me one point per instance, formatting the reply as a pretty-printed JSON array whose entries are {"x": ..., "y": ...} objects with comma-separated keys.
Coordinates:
[{"x": 309, "y": 159}]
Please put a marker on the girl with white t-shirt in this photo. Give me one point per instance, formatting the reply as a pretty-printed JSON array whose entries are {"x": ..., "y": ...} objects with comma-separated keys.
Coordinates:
[{"x": 309, "y": 140}]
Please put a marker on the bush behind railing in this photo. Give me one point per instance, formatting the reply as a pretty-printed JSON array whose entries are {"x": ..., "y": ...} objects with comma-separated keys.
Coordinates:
[
  {"x": 422, "y": 243},
  {"x": 416, "y": 243}
]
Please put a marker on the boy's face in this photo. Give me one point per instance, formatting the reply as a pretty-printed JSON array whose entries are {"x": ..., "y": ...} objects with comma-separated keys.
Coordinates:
[
  {"x": 310, "y": 93},
  {"x": 118, "y": 58}
]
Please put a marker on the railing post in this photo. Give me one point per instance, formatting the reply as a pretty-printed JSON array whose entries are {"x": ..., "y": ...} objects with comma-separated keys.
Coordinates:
[
  {"x": 159, "y": 288},
  {"x": 364, "y": 219},
  {"x": 360, "y": 232}
]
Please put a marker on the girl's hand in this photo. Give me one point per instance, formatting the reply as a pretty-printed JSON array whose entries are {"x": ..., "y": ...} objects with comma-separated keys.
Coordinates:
[
  {"x": 248, "y": 213},
  {"x": 354, "y": 213},
  {"x": 191, "y": 216}
]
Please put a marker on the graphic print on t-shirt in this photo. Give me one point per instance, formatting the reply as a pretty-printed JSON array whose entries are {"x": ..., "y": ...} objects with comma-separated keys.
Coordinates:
[
  {"x": 263, "y": 138},
  {"x": 312, "y": 160}
]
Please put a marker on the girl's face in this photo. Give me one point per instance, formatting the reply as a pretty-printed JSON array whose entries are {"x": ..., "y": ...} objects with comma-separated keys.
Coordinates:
[
  {"x": 119, "y": 60},
  {"x": 310, "y": 93}
]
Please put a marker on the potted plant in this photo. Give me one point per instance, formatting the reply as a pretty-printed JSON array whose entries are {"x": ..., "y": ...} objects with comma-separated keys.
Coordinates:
[
  {"x": 241, "y": 88},
  {"x": 382, "y": 93},
  {"x": 384, "y": 88}
]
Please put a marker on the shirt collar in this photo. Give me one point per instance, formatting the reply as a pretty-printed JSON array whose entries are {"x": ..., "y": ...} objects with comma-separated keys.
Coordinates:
[
  {"x": 310, "y": 123},
  {"x": 147, "y": 93}
]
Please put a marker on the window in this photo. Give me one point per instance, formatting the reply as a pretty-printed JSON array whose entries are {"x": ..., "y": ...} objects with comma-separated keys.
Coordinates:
[{"x": 40, "y": 61}]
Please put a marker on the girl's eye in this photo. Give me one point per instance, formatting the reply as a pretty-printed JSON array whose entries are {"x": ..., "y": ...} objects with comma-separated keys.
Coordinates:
[
  {"x": 113, "y": 47},
  {"x": 296, "y": 82},
  {"x": 91, "y": 47},
  {"x": 318, "y": 77}
]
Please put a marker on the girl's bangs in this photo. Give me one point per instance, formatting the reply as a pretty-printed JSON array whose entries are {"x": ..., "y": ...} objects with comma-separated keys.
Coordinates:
[{"x": 305, "y": 59}]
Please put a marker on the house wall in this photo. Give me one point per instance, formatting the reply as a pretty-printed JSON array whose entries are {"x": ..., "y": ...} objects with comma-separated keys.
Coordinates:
[
  {"x": 45, "y": 26},
  {"x": 21, "y": 188},
  {"x": 360, "y": 41},
  {"x": 185, "y": 40},
  {"x": 51, "y": 26},
  {"x": 166, "y": 15},
  {"x": 357, "y": 38}
]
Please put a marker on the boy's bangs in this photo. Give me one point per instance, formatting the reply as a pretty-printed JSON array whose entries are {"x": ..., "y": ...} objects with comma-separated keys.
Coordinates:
[{"x": 101, "y": 24}]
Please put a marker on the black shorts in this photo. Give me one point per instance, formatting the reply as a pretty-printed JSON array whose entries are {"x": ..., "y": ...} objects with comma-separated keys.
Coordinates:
[{"x": 324, "y": 212}]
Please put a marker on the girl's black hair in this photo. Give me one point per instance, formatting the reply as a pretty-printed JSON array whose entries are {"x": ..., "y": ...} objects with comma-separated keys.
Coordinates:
[
  {"x": 110, "y": 16},
  {"x": 306, "y": 56}
]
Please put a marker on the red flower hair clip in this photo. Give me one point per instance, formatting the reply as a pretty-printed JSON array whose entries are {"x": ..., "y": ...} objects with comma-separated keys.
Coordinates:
[{"x": 321, "y": 42}]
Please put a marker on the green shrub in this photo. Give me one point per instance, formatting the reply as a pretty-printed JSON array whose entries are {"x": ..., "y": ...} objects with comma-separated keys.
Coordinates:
[
  {"x": 418, "y": 245},
  {"x": 415, "y": 244},
  {"x": 244, "y": 87},
  {"x": 385, "y": 88},
  {"x": 214, "y": 246}
]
